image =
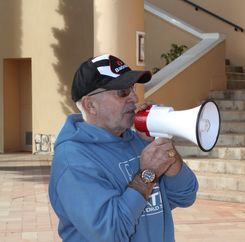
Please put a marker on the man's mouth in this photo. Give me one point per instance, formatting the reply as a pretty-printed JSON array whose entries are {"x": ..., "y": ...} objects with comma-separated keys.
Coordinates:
[{"x": 131, "y": 110}]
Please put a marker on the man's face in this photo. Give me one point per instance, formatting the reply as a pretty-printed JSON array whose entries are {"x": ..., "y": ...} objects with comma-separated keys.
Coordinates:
[{"x": 115, "y": 113}]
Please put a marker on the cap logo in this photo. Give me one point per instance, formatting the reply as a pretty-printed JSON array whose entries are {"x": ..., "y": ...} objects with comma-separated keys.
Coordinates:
[
  {"x": 119, "y": 62},
  {"x": 114, "y": 68},
  {"x": 117, "y": 65},
  {"x": 117, "y": 69}
]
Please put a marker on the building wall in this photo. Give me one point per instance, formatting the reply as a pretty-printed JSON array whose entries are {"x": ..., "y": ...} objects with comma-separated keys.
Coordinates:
[
  {"x": 12, "y": 99},
  {"x": 232, "y": 11},
  {"x": 115, "y": 25},
  {"x": 25, "y": 104},
  {"x": 192, "y": 86},
  {"x": 57, "y": 36},
  {"x": 10, "y": 17},
  {"x": 17, "y": 105},
  {"x": 159, "y": 37}
]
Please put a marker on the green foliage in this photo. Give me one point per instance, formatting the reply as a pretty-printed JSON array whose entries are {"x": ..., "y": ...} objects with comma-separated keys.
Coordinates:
[{"x": 174, "y": 52}]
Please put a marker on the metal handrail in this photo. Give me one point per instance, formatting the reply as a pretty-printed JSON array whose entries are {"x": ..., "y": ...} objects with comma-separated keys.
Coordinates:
[{"x": 197, "y": 7}]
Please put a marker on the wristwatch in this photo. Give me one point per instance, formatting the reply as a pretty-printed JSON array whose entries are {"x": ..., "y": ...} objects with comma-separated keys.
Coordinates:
[{"x": 148, "y": 176}]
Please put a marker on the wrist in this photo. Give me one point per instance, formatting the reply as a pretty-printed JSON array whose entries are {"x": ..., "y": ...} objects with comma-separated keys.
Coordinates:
[{"x": 141, "y": 186}]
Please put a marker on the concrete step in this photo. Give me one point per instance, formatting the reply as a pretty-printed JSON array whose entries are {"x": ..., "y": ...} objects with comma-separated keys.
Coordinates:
[
  {"x": 236, "y": 84},
  {"x": 231, "y": 69},
  {"x": 232, "y": 127},
  {"x": 221, "y": 195},
  {"x": 228, "y": 182},
  {"x": 233, "y": 105},
  {"x": 22, "y": 159},
  {"x": 218, "y": 166},
  {"x": 228, "y": 94},
  {"x": 235, "y": 75},
  {"x": 224, "y": 139},
  {"x": 228, "y": 115},
  {"x": 219, "y": 179},
  {"x": 221, "y": 172},
  {"x": 229, "y": 139},
  {"x": 193, "y": 151}
]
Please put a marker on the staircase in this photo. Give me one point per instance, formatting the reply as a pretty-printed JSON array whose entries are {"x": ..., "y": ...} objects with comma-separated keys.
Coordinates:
[{"x": 221, "y": 172}]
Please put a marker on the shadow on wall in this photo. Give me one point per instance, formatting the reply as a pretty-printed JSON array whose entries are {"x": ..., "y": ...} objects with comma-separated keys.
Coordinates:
[
  {"x": 74, "y": 44},
  {"x": 10, "y": 27},
  {"x": 10, "y": 47}
]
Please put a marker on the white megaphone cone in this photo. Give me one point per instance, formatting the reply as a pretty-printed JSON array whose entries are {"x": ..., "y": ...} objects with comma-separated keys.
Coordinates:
[{"x": 201, "y": 124}]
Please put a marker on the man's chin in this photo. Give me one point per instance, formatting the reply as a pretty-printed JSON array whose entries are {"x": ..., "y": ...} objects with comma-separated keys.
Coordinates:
[
  {"x": 131, "y": 123},
  {"x": 129, "y": 120}
]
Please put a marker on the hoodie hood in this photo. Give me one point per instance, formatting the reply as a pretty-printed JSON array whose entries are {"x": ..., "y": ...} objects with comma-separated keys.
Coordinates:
[{"x": 76, "y": 129}]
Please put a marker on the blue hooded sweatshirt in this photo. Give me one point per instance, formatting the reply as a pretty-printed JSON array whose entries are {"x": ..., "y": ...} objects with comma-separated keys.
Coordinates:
[{"x": 89, "y": 190}]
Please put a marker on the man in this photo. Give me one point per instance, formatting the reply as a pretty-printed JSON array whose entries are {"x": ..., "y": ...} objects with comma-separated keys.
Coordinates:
[{"x": 108, "y": 184}]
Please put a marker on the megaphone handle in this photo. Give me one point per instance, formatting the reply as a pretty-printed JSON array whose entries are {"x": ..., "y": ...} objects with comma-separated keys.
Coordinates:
[{"x": 167, "y": 136}]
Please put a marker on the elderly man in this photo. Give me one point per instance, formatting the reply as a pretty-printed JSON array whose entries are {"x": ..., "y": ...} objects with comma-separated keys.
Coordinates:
[{"x": 109, "y": 183}]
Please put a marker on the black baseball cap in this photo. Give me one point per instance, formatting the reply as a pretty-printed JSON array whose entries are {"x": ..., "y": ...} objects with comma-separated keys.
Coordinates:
[{"x": 105, "y": 71}]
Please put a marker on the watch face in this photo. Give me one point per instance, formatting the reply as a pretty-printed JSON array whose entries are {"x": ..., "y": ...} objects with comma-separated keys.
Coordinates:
[{"x": 148, "y": 176}]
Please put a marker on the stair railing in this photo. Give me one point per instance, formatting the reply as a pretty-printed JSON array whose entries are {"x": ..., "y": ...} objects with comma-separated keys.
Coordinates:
[
  {"x": 197, "y": 7},
  {"x": 207, "y": 42}
]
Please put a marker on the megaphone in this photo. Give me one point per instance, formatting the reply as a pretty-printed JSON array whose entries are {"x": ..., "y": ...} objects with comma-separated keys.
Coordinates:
[{"x": 200, "y": 125}]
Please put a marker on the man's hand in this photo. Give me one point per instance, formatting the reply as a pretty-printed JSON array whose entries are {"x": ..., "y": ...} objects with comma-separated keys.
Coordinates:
[{"x": 162, "y": 157}]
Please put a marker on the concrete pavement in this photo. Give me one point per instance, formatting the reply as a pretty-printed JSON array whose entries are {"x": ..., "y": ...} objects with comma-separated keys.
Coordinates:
[{"x": 26, "y": 214}]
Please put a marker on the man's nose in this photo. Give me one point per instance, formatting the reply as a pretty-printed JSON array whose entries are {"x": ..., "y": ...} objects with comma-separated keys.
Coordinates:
[{"x": 133, "y": 96}]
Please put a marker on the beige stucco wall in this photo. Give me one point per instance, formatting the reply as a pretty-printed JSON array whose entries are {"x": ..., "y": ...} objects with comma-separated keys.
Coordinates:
[
  {"x": 67, "y": 33},
  {"x": 10, "y": 17},
  {"x": 25, "y": 102},
  {"x": 192, "y": 85},
  {"x": 12, "y": 122},
  {"x": 57, "y": 36},
  {"x": 115, "y": 26},
  {"x": 230, "y": 10},
  {"x": 1, "y": 110},
  {"x": 159, "y": 37},
  {"x": 17, "y": 104}
]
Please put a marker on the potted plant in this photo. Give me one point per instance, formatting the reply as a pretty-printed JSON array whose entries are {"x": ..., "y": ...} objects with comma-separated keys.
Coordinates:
[{"x": 175, "y": 51}]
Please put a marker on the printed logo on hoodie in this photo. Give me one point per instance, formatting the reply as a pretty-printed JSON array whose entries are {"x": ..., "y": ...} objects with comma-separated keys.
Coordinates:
[{"x": 154, "y": 203}]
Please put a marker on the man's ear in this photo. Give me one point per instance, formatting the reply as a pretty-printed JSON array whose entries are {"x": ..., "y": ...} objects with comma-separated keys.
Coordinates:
[{"x": 88, "y": 105}]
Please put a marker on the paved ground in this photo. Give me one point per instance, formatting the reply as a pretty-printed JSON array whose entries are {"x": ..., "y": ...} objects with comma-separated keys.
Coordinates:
[
  {"x": 210, "y": 221},
  {"x": 26, "y": 215}
]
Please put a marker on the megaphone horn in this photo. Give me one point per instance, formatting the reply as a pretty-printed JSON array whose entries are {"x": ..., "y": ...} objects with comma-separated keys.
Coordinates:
[{"x": 201, "y": 124}]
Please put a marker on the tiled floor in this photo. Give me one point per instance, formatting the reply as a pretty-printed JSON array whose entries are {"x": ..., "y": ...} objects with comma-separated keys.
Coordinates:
[
  {"x": 26, "y": 215},
  {"x": 210, "y": 221},
  {"x": 25, "y": 212}
]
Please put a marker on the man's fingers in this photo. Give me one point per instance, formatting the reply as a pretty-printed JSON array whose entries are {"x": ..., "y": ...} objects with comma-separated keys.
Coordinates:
[{"x": 161, "y": 141}]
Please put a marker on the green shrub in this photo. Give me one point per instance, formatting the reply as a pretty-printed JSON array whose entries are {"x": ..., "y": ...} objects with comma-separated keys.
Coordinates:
[{"x": 174, "y": 52}]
